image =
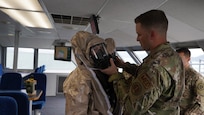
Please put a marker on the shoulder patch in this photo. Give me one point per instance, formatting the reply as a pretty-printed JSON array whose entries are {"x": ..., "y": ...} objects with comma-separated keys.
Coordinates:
[
  {"x": 141, "y": 85},
  {"x": 136, "y": 88},
  {"x": 146, "y": 81},
  {"x": 200, "y": 86}
]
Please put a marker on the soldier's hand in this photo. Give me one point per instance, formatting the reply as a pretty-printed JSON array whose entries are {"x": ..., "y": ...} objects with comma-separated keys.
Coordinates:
[
  {"x": 111, "y": 69},
  {"x": 118, "y": 62}
]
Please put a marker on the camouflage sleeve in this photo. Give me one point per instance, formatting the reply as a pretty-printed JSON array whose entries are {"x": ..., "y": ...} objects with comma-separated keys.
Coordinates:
[
  {"x": 121, "y": 85},
  {"x": 140, "y": 92},
  {"x": 200, "y": 92},
  {"x": 147, "y": 88},
  {"x": 115, "y": 77},
  {"x": 130, "y": 68},
  {"x": 198, "y": 107}
]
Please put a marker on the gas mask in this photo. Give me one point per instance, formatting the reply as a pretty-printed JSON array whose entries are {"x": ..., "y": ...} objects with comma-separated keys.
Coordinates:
[{"x": 100, "y": 56}]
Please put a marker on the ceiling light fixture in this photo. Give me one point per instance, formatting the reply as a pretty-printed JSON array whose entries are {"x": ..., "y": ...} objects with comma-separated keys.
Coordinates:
[{"x": 30, "y": 13}]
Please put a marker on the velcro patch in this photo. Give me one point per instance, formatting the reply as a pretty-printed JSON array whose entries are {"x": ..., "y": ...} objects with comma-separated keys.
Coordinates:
[
  {"x": 141, "y": 85},
  {"x": 200, "y": 86},
  {"x": 136, "y": 88},
  {"x": 146, "y": 81}
]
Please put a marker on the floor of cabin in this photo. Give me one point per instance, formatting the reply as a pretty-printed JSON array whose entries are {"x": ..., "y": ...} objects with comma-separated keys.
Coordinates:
[{"x": 55, "y": 105}]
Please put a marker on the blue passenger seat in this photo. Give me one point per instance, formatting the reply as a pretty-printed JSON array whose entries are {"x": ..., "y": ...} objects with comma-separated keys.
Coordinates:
[
  {"x": 11, "y": 81},
  {"x": 21, "y": 99},
  {"x": 8, "y": 106}
]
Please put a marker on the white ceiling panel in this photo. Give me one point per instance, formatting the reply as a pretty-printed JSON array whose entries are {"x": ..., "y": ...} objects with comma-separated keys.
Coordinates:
[{"x": 116, "y": 21}]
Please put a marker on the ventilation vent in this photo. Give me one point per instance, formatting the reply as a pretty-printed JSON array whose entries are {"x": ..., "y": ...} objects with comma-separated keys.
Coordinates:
[{"x": 70, "y": 20}]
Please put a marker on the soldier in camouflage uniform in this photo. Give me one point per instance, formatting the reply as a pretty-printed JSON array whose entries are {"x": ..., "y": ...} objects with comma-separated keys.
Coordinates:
[
  {"x": 156, "y": 86},
  {"x": 192, "y": 101}
]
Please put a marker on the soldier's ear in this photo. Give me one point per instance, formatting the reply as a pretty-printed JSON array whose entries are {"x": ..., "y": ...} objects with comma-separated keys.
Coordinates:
[{"x": 188, "y": 59}]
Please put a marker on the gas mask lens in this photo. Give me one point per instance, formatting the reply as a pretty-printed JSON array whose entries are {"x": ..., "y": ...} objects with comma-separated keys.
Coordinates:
[
  {"x": 98, "y": 51},
  {"x": 100, "y": 56}
]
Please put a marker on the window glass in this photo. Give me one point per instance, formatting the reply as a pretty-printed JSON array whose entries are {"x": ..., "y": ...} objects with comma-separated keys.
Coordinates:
[
  {"x": 197, "y": 59},
  {"x": 46, "y": 57},
  {"x": 125, "y": 56},
  {"x": 9, "y": 57},
  {"x": 141, "y": 55},
  {"x": 25, "y": 58}
]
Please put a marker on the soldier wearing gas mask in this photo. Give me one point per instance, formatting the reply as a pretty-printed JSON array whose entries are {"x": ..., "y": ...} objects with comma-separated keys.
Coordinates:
[{"x": 86, "y": 89}]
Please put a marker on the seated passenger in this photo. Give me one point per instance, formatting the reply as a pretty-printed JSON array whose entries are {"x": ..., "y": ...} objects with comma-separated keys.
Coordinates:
[{"x": 86, "y": 89}]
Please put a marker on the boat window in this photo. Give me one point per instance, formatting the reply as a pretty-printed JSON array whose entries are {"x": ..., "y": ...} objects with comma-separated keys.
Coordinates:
[
  {"x": 125, "y": 56},
  {"x": 46, "y": 57},
  {"x": 25, "y": 58},
  {"x": 141, "y": 55},
  {"x": 9, "y": 57},
  {"x": 197, "y": 59}
]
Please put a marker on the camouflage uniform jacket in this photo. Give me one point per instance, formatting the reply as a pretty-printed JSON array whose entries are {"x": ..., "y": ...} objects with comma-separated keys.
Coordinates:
[
  {"x": 156, "y": 88},
  {"x": 193, "y": 96}
]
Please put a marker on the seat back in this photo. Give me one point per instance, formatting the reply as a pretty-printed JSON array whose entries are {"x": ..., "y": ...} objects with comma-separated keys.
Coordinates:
[
  {"x": 21, "y": 99},
  {"x": 11, "y": 81},
  {"x": 8, "y": 106},
  {"x": 40, "y": 69},
  {"x": 41, "y": 79},
  {"x": 1, "y": 70}
]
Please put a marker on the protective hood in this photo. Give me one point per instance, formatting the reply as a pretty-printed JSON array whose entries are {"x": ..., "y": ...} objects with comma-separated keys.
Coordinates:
[
  {"x": 83, "y": 91},
  {"x": 81, "y": 43},
  {"x": 110, "y": 44}
]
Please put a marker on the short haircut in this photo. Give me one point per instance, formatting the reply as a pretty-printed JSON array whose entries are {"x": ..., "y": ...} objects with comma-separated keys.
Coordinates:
[
  {"x": 153, "y": 18},
  {"x": 184, "y": 50}
]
